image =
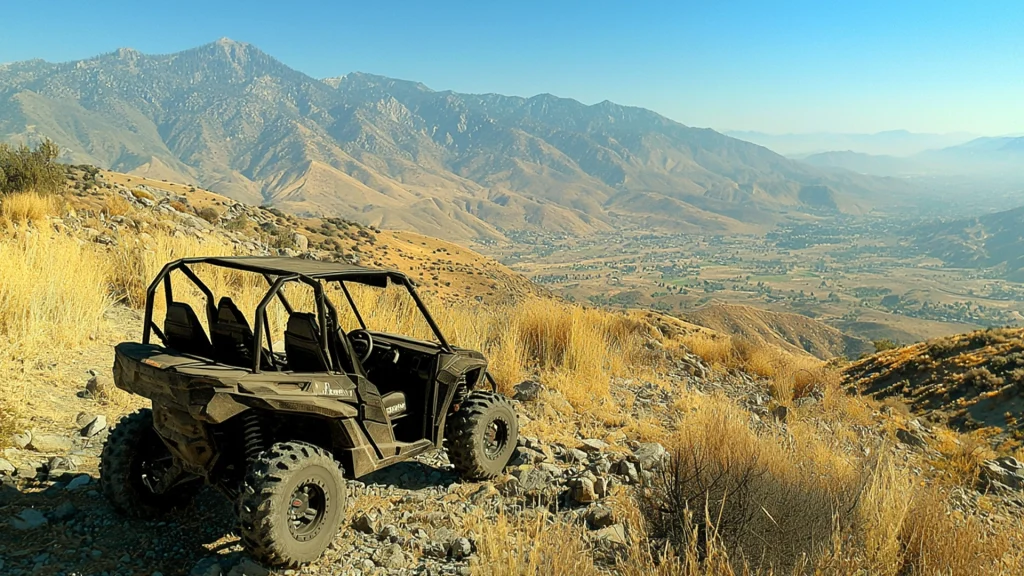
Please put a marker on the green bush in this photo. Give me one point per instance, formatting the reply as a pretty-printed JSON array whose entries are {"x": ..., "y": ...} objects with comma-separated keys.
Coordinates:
[
  {"x": 24, "y": 169},
  {"x": 884, "y": 344}
]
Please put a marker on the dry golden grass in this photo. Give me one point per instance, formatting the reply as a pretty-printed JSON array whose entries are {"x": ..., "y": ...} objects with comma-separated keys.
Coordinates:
[
  {"x": 56, "y": 289},
  {"x": 790, "y": 376},
  {"x": 115, "y": 205},
  {"x": 53, "y": 292},
  {"x": 530, "y": 544},
  {"x": 27, "y": 207}
]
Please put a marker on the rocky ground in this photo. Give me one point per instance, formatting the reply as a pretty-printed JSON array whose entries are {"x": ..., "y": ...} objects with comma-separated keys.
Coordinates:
[
  {"x": 413, "y": 518},
  {"x": 407, "y": 519}
]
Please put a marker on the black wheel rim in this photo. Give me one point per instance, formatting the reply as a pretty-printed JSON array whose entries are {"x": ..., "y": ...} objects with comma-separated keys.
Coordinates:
[
  {"x": 495, "y": 438},
  {"x": 306, "y": 510},
  {"x": 151, "y": 462},
  {"x": 152, "y": 471}
]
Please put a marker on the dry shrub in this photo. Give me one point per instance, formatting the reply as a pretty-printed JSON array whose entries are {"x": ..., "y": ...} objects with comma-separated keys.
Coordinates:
[
  {"x": 135, "y": 261},
  {"x": 209, "y": 213},
  {"x": 27, "y": 207},
  {"x": 728, "y": 492},
  {"x": 52, "y": 298},
  {"x": 8, "y": 422},
  {"x": 882, "y": 512},
  {"x": 962, "y": 456},
  {"x": 116, "y": 205},
  {"x": 142, "y": 194},
  {"x": 938, "y": 540},
  {"x": 571, "y": 349}
]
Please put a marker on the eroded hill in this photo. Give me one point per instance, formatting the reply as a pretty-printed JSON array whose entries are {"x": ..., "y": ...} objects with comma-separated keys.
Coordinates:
[{"x": 970, "y": 381}]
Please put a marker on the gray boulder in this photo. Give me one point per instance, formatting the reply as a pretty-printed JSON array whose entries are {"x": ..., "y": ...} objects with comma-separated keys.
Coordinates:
[
  {"x": 28, "y": 519},
  {"x": 650, "y": 456},
  {"x": 1003, "y": 474}
]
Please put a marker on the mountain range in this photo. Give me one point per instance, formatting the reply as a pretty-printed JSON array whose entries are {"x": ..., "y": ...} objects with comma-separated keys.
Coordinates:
[
  {"x": 887, "y": 143},
  {"x": 230, "y": 118},
  {"x": 987, "y": 157}
]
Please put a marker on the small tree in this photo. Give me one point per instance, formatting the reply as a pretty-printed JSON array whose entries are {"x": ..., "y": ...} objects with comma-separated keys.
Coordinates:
[{"x": 23, "y": 168}]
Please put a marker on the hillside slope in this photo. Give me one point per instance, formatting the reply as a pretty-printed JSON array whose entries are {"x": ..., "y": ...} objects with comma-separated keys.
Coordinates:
[
  {"x": 382, "y": 151},
  {"x": 989, "y": 241},
  {"x": 793, "y": 332},
  {"x": 441, "y": 268},
  {"x": 631, "y": 424},
  {"x": 970, "y": 381}
]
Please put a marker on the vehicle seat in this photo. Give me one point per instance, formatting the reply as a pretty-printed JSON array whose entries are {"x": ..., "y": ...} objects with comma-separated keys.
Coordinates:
[
  {"x": 232, "y": 337},
  {"x": 302, "y": 344},
  {"x": 344, "y": 356},
  {"x": 394, "y": 404},
  {"x": 184, "y": 333}
]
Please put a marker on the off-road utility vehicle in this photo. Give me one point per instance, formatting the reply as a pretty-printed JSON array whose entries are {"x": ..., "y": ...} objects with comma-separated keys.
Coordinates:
[{"x": 279, "y": 431}]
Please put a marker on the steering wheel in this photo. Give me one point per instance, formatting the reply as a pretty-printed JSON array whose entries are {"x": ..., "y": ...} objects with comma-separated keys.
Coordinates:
[{"x": 361, "y": 339}]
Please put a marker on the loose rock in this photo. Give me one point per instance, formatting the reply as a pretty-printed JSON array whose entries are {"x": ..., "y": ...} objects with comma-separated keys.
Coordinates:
[
  {"x": 460, "y": 549},
  {"x": 22, "y": 440},
  {"x": 650, "y": 456},
  {"x": 583, "y": 490},
  {"x": 527, "y": 391},
  {"x": 78, "y": 482},
  {"x": 99, "y": 383},
  {"x": 593, "y": 445},
  {"x": 63, "y": 512},
  {"x": 50, "y": 443},
  {"x": 207, "y": 567},
  {"x": 366, "y": 524},
  {"x": 248, "y": 567},
  {"x": 910, "y": 438},
  {"x": 598, "y": 517},
  {"x": 95, "y": 426},
  {"x": 28, "y": 519}
]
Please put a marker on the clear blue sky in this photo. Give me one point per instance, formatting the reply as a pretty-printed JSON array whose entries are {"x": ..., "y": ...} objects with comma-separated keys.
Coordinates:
[{"x": 827, "y": 65}]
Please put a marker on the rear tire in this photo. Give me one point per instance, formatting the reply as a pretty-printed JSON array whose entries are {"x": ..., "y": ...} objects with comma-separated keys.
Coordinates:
[
  {"x": 132, "y": 456},
  {"x": 292, "y": 504},
  {"x": 482, "y": 435}
]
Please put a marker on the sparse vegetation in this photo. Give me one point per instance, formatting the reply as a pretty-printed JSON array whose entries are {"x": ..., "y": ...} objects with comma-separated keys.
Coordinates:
[
  {"x": 25, "y": 169},
  {"x": 884, "y": 344},
  {"x": 740, "y": 497}
]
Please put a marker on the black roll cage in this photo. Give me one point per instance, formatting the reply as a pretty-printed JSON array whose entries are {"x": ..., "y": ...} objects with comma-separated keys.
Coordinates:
[{"x": 261, "y": 324}]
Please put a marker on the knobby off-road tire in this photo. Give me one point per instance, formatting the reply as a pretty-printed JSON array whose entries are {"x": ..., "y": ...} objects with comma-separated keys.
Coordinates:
[
  {"x": 482, "y": 435},
  {"x": 292, "y": 504},
  {"x": 133, "y": 454}
]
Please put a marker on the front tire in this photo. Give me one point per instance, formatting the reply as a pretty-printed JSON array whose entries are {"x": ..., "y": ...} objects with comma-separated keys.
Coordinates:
[
  {"x": 292, "y": 504},
  {"x": 132, "y": 461},
  {"x": 482, "y": 435}
]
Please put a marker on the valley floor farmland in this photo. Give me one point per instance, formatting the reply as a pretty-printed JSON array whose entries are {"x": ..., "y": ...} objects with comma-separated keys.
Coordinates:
[{"x": 857, "y": 275}]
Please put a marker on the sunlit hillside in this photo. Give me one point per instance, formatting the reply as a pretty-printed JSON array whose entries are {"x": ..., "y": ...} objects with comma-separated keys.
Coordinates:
[{"x": 773, "y": 466}]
